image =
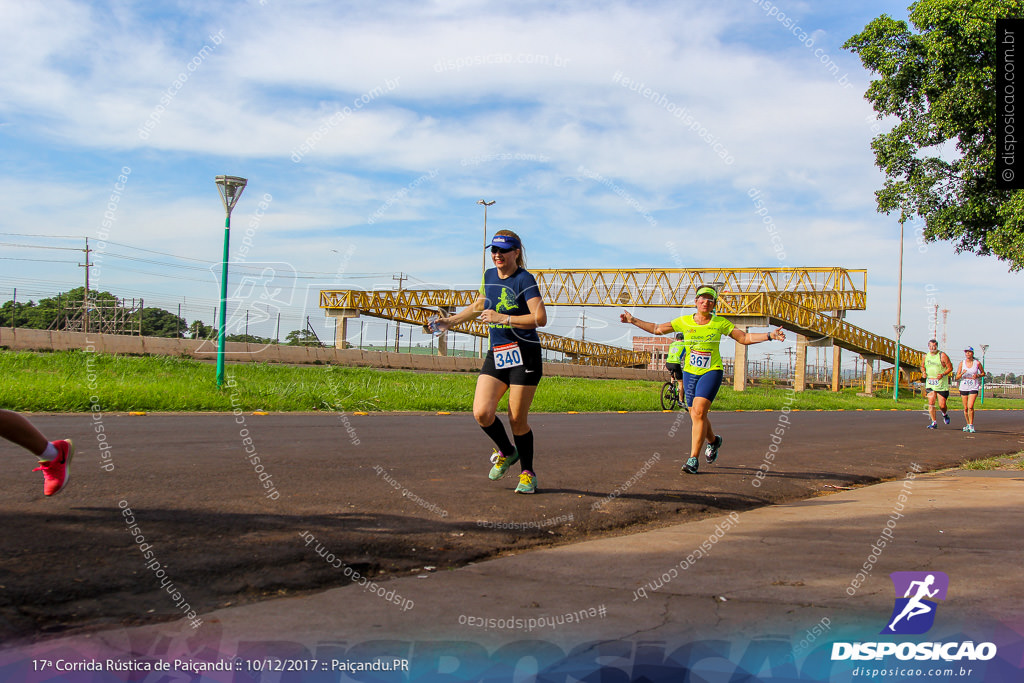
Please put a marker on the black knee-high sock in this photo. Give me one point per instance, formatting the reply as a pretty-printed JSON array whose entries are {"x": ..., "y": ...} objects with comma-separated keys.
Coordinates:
[
  {"x": 496, "y": 431},
  {"x": 524, "y": 444}
]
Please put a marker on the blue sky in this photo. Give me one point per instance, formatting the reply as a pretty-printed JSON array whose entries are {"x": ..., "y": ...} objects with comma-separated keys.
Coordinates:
[{"x": 527, "y": 104}]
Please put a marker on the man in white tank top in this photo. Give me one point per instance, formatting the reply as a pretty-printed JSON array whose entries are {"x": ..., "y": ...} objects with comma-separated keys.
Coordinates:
[{"x": 969, "y": 374}]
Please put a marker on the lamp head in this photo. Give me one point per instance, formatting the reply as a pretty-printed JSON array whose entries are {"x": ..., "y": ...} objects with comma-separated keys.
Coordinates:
[{"x": 230, "y": 188}]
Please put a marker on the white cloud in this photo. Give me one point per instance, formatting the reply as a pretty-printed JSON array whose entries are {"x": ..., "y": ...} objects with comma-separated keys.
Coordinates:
[{"x": 516, "y": 103}]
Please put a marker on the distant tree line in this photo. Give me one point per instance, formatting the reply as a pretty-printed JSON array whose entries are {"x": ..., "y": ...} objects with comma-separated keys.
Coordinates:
[{"x": 52, "y": 313}]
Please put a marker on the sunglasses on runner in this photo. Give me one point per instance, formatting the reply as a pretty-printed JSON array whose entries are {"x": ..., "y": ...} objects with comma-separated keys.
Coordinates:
[{"x": 499, "y": 250}]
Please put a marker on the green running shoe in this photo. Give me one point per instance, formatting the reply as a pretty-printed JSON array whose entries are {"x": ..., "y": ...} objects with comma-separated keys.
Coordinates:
[
  {"x": 691, "y": 465},
  {"x": 501, "y": 463},
  {"x": 711, "y": 450},
  {"x": 527, "y": 482}
]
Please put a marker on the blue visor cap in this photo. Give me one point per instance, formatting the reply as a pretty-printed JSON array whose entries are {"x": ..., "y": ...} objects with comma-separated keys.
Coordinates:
[{"x": 504, "y": 242}]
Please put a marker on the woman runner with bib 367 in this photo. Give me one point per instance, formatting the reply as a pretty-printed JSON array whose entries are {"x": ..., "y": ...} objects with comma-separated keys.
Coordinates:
[
  {"x": 702, "y": 368},
  {"x": 510, "y": 303}
]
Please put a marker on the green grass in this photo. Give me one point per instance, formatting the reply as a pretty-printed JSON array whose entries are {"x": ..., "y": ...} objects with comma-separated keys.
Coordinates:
[
  {"x": 74, "y": 381},
  {"x": 998, "y": 462}
]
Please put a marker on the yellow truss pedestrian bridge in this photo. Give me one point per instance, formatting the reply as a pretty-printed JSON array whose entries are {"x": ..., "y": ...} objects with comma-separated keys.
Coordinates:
[{"x": 808, "y": 301}]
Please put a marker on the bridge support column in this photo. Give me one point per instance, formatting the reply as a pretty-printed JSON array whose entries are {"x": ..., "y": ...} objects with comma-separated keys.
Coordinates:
[
  {"x": 442, "y": 339},
  {"x": 739, "y": 367},
  {"x": 869, "y": 374},
  {"x": 800, "y": 369},
  {"x": 341, "y": 316},
  {"x": 340, "y": 332},
  {"x": 739, "y": 371},
  {"x": 837, "y": 358}
]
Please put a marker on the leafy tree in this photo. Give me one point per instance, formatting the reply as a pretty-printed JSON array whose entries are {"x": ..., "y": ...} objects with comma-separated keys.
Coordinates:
[
  {"x": 52, "y": 311},
  {"x": 156, "y": 322},
  {"x": 1011, "y": 378},
  {"x": 73, "y": 297},
  {"x": 16, "y": 314},
  {"x": 939, "y": 82},
  {"x": 302, "y": 338},
  {"x": 250, "y": 338},
  {"x": 197, "y": 330}
]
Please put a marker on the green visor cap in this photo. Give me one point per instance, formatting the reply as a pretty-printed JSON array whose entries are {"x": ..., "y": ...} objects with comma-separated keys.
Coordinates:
[{"x": 709, "y": 291}]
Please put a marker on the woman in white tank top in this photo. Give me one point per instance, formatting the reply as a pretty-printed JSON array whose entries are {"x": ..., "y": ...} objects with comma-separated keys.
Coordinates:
[{"x": 969, "y": 373}]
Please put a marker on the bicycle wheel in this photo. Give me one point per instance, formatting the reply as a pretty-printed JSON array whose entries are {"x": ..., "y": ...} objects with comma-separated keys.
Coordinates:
[{"x": 669, "y": 399}]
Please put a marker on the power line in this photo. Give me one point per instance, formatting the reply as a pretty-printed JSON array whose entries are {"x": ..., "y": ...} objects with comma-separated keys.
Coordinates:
[
  {"x": 35, "y": 260},
  {"x": 56, "y": 237},
  {"x": 235, "y": 266},
  {"x": 35, "y": 246}
]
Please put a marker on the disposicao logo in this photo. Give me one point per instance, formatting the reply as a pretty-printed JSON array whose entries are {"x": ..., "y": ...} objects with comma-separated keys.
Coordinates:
[{"x": 913, "y": 613}]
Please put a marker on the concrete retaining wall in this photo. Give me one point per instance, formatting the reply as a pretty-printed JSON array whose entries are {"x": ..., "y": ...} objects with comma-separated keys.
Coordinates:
[{"x": 23, "y": 339}]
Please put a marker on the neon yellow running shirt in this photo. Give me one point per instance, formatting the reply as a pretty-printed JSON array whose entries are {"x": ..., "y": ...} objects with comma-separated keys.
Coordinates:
[
  {"x": 675, "y": 352},
  {"x": 702, "y": 342},
  {"x": 933, "y": 368}
]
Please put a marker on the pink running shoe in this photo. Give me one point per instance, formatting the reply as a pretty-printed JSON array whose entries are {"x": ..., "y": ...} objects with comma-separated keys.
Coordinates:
[{"x": 57, "y": 471}]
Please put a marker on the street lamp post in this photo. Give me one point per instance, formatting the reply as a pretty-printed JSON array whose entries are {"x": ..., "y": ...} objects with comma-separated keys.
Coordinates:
[
  {"x": 984, "y": 349},
  {"x": 898, "y": 326},
  {"x": 485, "y": 205},
  {"x": 483, "y": 258},
  {"x": 896, "y": 371},
  {"x": 230, "y": 188}
]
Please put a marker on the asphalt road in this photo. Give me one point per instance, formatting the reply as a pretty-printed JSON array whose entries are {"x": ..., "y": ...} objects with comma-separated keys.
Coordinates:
[{"x": 390, "y": 494}]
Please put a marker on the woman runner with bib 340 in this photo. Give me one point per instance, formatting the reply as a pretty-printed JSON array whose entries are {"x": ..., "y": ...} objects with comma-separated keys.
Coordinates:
[
  {"x": 510, "y": 303},
  {"x": 702, "y": 368}
]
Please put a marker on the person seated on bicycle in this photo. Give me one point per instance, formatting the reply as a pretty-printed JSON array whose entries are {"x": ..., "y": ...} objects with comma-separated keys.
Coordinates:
[{"x": 675, "y": 354}]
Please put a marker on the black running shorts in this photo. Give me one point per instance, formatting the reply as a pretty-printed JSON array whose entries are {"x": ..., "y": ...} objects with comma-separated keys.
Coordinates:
[{"x": 527, "y": 374}]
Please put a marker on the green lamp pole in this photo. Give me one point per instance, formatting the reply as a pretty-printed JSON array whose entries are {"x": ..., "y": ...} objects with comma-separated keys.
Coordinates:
[
  {"x": 896, "y": 371},
  {"x": 230, "y": 188},
  {"x": 984, "y": 350}
]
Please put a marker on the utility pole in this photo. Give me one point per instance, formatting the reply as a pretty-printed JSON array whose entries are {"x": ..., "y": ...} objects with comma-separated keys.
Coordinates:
[
  {"x": 945, "y": 317},
  {"x": 85, "y": 298},
  {"x": 401, "y": 277}
]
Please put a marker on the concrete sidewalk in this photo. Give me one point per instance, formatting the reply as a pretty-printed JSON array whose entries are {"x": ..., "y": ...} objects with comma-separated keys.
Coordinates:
[{"x": 808, "y": 572}]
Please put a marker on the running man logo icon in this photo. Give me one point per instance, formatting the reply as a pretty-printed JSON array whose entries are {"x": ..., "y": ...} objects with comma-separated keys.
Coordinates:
[
  {"x": 914, "y": 613},
  {"x": 506, "y": 302}
]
